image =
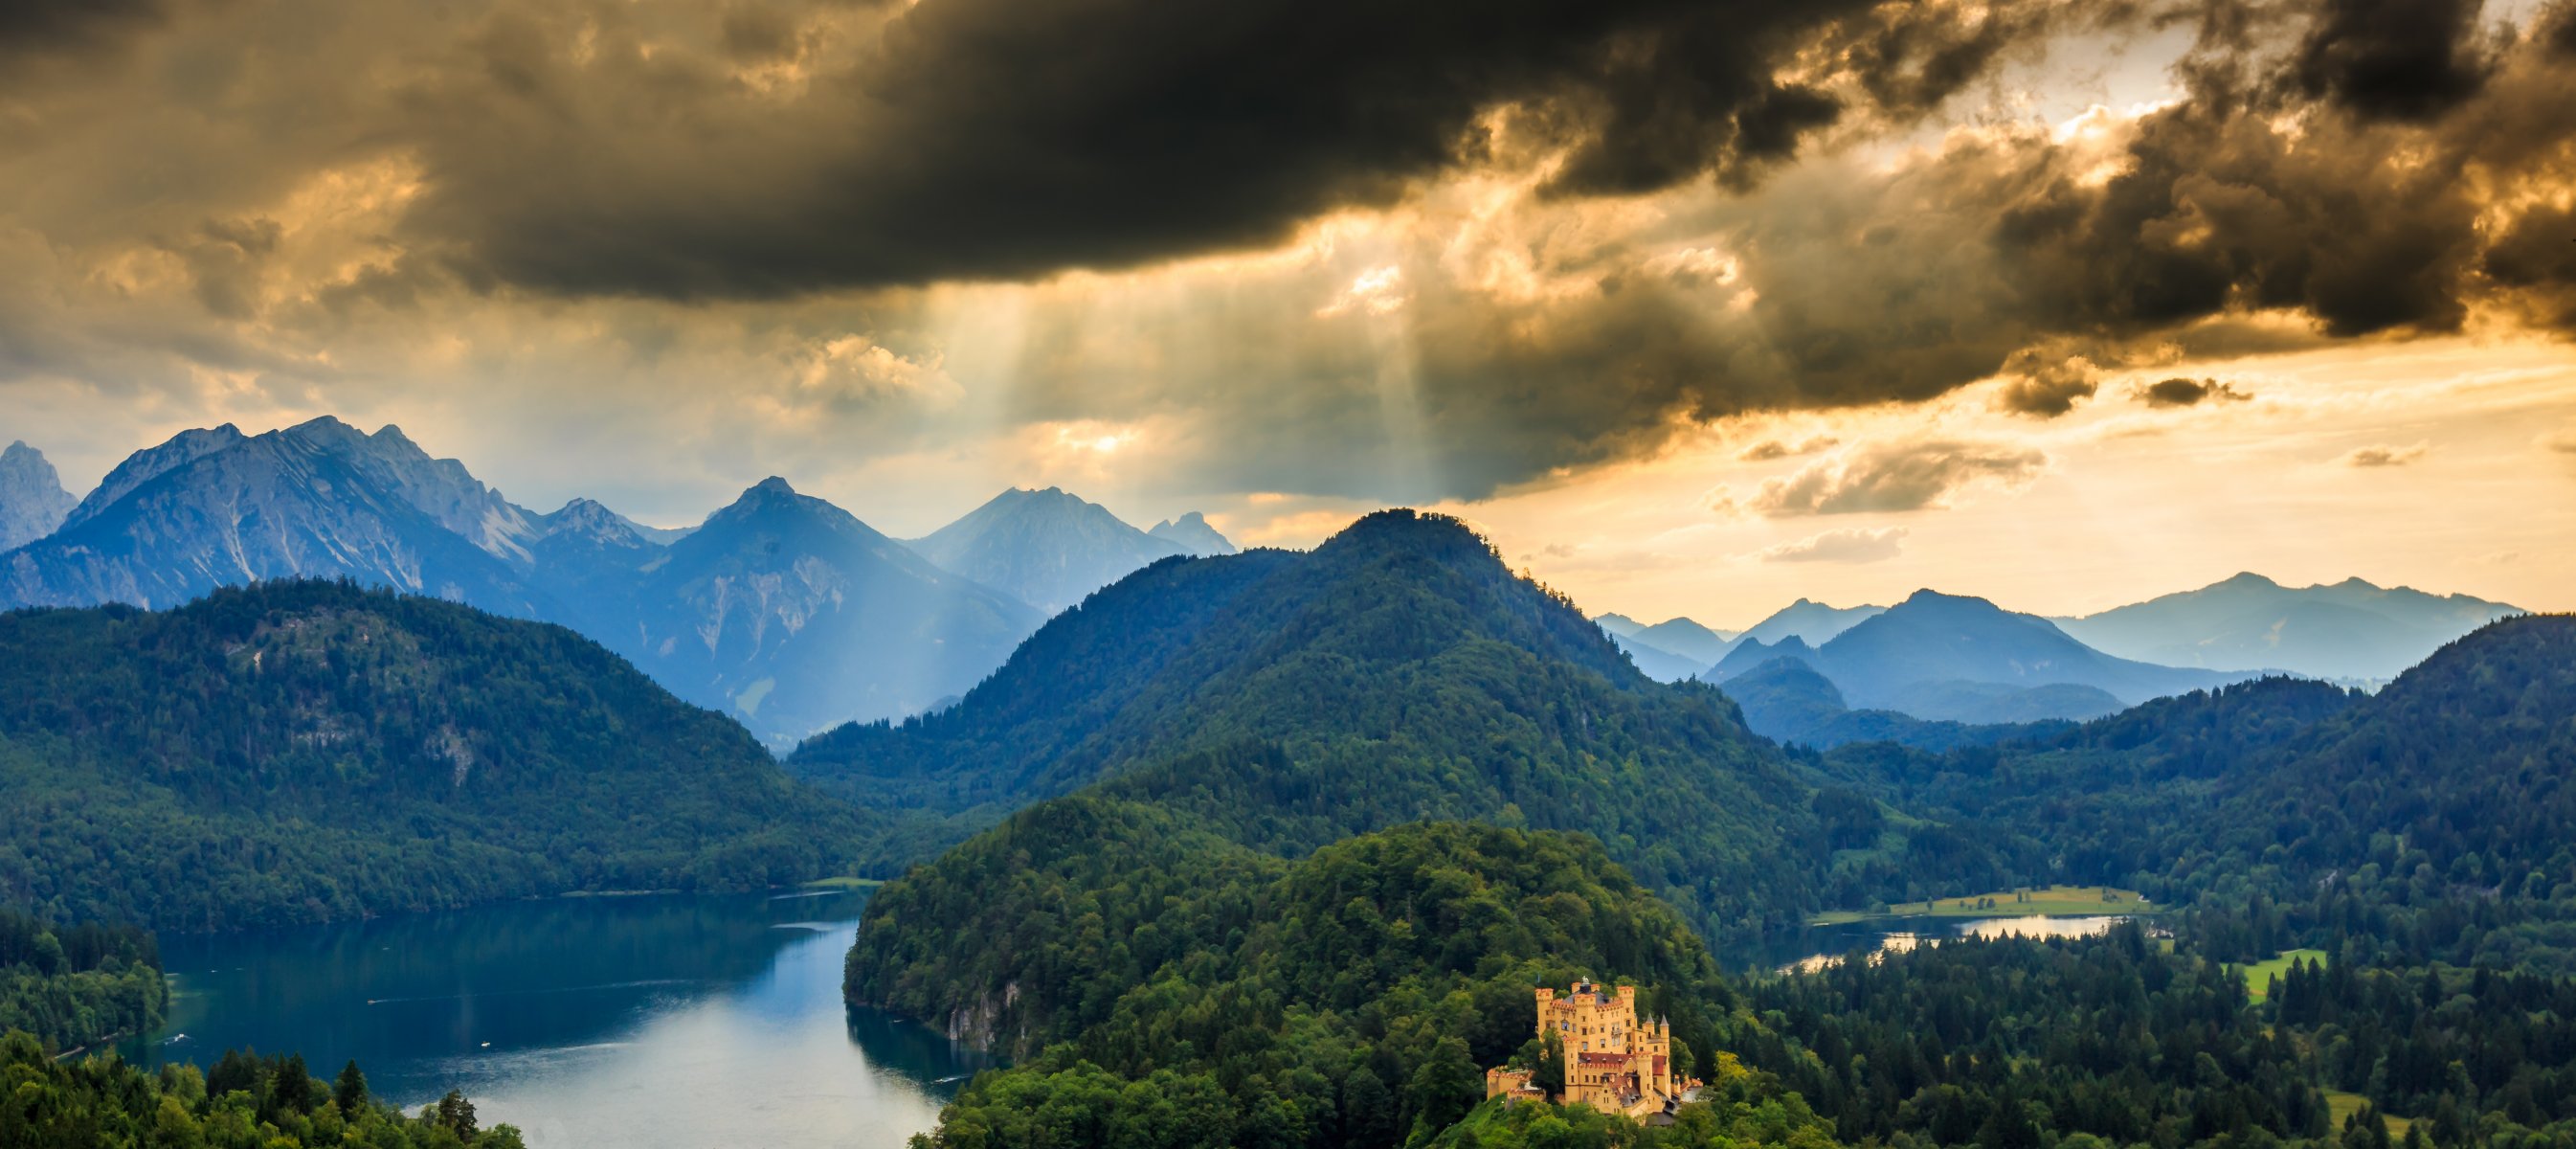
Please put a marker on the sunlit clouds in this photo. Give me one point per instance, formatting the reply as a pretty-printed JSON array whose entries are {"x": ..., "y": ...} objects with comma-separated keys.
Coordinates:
[{"x": 1777, "y": 299}]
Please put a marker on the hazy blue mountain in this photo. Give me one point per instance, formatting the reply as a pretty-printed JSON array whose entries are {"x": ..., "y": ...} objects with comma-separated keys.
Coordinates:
[
  {"x": 2349, "y": 630},
  {"x": 1192, "y": 534},
  {"x": 1786, "y": 700},
  {"x": 790, "y": 614},
  {"x": 318, "y": 500},
  {"x": 1657, "y": 663},
  {"x": 592, "y": 559},
  {"x": 1749, "y": 652},
  {"x": 1814, "y": 622},
  {"x": 1048, "y": 548},
  {"x": 1681, "y": 637},
  {"x": 143, "y": 466},
  {"x": 1909, "y": 658},
  {"x": 32, "y": 499}
]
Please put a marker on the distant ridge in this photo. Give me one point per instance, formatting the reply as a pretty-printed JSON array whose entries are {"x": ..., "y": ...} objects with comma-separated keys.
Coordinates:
[
  {"x": 1048, "y": 548},
  {"x": 2351, "y": 630},
  {"x": 1192, "y": 534}
]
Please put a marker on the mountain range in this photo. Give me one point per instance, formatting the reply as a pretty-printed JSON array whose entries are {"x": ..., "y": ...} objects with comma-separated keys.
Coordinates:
[
  {"x": 1954, "y": 658},
  {"x": 2347, "y": 630},
  {"x": 780, "y": 609}
]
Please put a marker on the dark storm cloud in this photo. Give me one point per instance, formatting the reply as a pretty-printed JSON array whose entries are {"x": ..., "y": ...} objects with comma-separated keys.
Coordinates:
[
  {"x": 2330, "y": 169},
  {"x": 2395, "y": 59},
  {"x": 30, "y": 27},
  {"x": 2047, "y": 386},
  {"x": 2180, "y": 392},
  {"x": 1010, "y": 138}
]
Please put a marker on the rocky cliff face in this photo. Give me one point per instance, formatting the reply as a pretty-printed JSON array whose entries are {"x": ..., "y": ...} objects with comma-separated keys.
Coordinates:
[
  {"x": 32, "y": 499},
  {"x": 319, "y": 500}
]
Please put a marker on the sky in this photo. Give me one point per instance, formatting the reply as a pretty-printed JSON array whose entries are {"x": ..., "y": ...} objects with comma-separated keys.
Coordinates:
[{"x": 1694, "y": 308}]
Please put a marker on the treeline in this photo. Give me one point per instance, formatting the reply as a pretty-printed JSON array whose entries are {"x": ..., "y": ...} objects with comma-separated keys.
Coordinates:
[
  {"x": 246, "y": 1101},
  {"x": 2429, "y": 821},
  {"x": 294, "y": 752},
  {"x": 1174, "y": 989},
  {"x": 78, "y": 985},
  {"x": 2119, "y": 1041}
]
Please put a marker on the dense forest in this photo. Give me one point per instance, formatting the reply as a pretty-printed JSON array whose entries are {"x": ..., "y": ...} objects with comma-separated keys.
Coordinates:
[
  {"x": 1170, "y": 988},
  {"x": 1399, "y": 672},
  {"x": 78, "y": 985},
  {"x": 2425, "y": 823},
  {"x": 302, "y": 751},
  {"x": 2122, "y": 1040},
  {"x": 243, "y": 1100}
]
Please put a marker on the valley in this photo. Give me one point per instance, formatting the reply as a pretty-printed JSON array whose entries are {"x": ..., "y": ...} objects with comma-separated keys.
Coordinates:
[{"x": 1258, "y": 847}]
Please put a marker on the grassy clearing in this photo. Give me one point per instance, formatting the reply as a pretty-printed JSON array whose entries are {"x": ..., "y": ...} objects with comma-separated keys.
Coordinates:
[
  {"x": 2258, "y": 976},
  {"x": 2342, "y": 1105},
  {"x": 2043, "y": 901},
  {"x": 844, "y": 883}
]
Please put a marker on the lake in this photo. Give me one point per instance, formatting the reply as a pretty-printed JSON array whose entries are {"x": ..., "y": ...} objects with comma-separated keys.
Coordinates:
[
  {"x": 1814, "y": 947},
  {"x": 664, "y": 1020}
]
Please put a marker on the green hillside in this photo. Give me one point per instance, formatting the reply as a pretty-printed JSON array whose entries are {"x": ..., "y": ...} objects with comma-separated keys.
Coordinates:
[
  {"x": 1168, "y": 988},
  {"x": 300, "y": 751},
  {"x": 1399, "y": 672}
]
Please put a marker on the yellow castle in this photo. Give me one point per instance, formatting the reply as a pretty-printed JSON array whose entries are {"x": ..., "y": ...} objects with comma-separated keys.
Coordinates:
[{"x": 1612, "y": 1062}]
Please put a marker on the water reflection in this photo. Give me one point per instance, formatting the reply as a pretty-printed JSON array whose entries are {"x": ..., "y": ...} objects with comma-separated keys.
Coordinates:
[
  {"x": 1817, "y": 947},
  {"x": 663, "y": 1021}
]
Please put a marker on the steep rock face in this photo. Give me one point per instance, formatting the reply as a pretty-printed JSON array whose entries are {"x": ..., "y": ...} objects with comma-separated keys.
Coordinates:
[
  {"x": 1192, "y": 534},
  {"x": 319, "y": 500},
  {"x": 791, "y": 614},
  {"x": 1048, "y": 548},
  {"x": 2348, "y": 630},
  {"x": 32, "y": 499},
  {"x": 152, "y": 462}
]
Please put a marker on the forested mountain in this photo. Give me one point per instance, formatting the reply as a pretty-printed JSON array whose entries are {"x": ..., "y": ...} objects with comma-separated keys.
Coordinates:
[
  {"x": 316, "y": 500},
  {"x": 299, "y": 751},
  {"x": 1399, "y": 671},
  {"x": 32, "y": 499},
  {"x": 1177, "y": 989},
  {"x": 2349, "y": 630},
  {"x": 790, "y": 626},
  {"x": 790, "y": 614},
  {"x": 78, "y": 985},
  {"x": 2435, "y": 809},
  {"x": 1193, "y": 535},
  {"x": 1047, "y": 548}
]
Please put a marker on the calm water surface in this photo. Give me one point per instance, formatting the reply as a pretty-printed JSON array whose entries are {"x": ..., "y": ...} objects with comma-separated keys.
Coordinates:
[
  {"x": 663, "y": 1021},
  {"x": 1815, "y": 947}
]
